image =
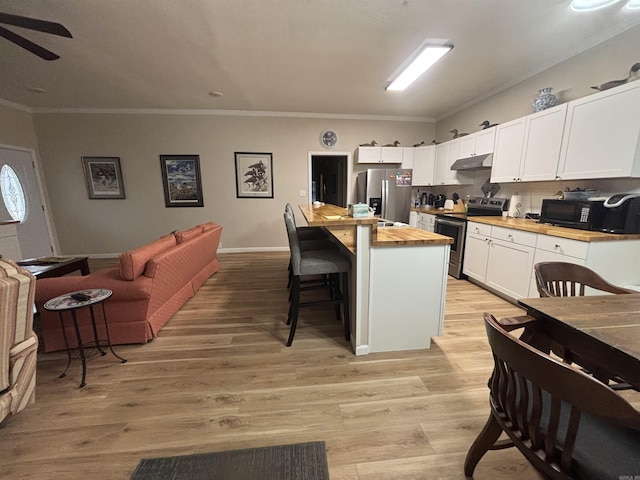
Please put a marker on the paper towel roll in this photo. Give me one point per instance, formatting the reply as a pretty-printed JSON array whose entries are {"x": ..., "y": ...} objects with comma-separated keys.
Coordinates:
[{"x": 515, "y": 206}]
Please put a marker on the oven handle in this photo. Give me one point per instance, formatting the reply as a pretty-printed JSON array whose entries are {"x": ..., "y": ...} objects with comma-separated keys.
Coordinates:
[{"x": 451, "y": 223}]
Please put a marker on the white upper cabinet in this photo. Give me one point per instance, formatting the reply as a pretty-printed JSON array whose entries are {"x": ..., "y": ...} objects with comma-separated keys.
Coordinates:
[
  {"x": 528, "y": 149},
  {"x": 508, "y": 151},
  {"x": 602, "y": 135},
  {"x": 368, "y": 155},
  {"x": 423, "y": 165},
  {"x": 468, "y": 146},
  {"x": 446, "y": 154},
  {"x": 407, "y": 157},
  {"x": 441, "y": 164},
  {"x": 542, "y": 142},
  {"x": 380, "y": 154},
  {"x": 391, "y": 154},
  {"x": 477, "y": 143},
  {"x": 485, "y": 140}
]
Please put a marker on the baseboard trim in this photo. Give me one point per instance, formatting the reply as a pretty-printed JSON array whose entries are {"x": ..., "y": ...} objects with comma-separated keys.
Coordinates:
[
  {"x": 220, "y": 250},
  {"x": 253, "y": 249}
]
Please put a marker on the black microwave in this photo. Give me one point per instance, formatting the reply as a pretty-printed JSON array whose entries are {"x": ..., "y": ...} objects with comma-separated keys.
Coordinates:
[{"x": 583, "y": 214}]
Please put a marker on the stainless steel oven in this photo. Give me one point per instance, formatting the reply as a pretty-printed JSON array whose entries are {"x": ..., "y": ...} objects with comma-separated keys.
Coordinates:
[{"x": 456, "y": 228}]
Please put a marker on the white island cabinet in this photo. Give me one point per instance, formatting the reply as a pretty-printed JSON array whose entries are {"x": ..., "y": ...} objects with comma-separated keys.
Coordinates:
[{"x": 400, "y": 318}]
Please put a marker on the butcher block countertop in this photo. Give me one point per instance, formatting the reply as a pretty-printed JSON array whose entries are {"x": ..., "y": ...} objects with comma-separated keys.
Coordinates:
[
  {"x": 563, "y": 232},
  {"x": 336, "y": 219},
  {"x": 390, "y": 236}
]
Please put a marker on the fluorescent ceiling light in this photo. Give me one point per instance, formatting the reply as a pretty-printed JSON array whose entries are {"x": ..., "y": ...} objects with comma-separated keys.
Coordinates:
[
  {"x": 633, "y": 5},
  {"x": 429, "y": 55},
  {"x": 589, "y": 5}
]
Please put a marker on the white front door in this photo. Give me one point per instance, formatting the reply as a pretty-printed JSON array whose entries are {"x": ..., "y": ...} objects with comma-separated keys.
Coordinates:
[{"x": 34, "y": 233}]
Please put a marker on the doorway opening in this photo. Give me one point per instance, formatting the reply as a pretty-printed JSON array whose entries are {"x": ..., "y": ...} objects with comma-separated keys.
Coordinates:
[{"x": 329, "y": 177}]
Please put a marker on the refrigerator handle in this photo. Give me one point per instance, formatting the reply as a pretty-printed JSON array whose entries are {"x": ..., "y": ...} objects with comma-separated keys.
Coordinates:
[{"x": 385, "y": 196}]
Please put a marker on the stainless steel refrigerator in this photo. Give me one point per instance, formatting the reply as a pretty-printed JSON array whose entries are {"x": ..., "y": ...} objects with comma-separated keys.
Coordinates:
[{"x": 388, "y": 190}]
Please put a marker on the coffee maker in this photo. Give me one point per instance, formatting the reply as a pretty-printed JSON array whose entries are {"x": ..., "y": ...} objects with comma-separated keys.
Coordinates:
[{"x": 622, "y": 213}]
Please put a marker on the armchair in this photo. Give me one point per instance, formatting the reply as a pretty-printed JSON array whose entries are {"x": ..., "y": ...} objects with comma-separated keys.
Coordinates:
[{"x": 18, "y": 342}]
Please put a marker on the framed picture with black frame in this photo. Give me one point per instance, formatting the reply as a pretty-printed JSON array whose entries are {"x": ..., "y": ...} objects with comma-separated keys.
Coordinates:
[
  {"x": 104, "y": 177},
  {"x": 181, "y": 180},
  {"x": 254, "y": 175}
]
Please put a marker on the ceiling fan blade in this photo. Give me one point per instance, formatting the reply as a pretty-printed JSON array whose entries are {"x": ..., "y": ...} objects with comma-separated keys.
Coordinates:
[
  {"x": 35, "y": 24},
  {"x": 28, "y": 45}
]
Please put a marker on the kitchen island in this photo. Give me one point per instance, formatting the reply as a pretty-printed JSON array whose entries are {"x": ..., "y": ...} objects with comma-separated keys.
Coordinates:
[{"x": 398, "y": 279}]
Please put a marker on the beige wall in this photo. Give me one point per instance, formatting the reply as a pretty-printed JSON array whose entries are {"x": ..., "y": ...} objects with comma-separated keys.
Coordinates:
[
  {"x": 16, "y": 128},
  {"x": 111, "y": 226}
]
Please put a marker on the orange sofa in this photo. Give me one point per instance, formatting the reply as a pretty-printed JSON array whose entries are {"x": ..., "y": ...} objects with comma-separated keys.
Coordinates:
[{"x": 149, "y": 285}]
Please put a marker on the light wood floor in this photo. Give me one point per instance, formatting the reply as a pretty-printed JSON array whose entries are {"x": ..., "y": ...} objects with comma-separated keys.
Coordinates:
[{"x": 219, "y": 377}]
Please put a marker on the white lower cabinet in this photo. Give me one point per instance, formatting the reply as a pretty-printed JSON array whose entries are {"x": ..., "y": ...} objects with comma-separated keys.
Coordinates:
[
  {"x": 504, "y": 258},
  {"x": 510, "y": 261},
  {"x": 413, "y": 219},
  {"x": 427, "y": 222},
  {"x": 500, "y": 258},
  {"x": 477, "y": 251}
]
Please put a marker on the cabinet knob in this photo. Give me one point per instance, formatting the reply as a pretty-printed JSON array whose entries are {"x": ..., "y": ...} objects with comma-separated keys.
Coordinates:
[
  {"x": 515, "y": 179},
  {"x": 556, "y": 246}
]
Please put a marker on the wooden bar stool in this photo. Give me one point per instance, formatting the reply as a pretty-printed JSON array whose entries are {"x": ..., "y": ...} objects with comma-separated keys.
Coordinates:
[{"x": 307, "y": 263}]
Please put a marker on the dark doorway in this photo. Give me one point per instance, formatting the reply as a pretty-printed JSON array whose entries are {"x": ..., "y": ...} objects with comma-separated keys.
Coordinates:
[{"x": 329, "y": 179}]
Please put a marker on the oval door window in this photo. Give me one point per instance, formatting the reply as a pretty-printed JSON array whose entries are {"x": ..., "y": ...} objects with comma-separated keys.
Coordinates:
[{"x": 12, "y": 193}]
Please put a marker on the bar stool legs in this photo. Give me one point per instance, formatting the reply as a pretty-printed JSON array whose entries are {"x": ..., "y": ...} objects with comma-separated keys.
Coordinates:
[{"x": 338, "y": 295}]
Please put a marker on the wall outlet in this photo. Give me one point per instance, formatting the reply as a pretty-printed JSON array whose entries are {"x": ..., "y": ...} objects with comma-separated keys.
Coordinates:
[{"x": 302, "y": 193}]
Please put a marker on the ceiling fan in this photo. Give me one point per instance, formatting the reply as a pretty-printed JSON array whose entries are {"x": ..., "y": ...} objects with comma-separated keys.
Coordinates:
[{"x": 32, "y": 24}]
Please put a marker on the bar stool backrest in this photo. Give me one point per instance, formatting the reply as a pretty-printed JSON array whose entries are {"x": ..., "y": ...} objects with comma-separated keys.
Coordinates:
[{"x": 294, "y": 244}]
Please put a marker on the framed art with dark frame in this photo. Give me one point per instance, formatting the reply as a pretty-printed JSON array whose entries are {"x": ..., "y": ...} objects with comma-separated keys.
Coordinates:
[
  {"x": 181, "y": 180},
  {"x": 254, "y": 175},
  {"x": 104, "y": 177}
]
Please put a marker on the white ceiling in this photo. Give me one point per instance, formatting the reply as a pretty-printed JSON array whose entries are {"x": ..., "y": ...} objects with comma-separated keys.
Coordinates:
[{"x": 308, "y": 56}]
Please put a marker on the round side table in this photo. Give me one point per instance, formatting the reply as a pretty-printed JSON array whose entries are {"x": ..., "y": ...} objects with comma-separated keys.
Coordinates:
[{"x": 67, "y": 303}]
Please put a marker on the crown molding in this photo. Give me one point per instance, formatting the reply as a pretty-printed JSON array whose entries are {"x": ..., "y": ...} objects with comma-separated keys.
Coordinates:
[
  {"x": 15, "y": 106},
  {"x": 230, "y": 113}
]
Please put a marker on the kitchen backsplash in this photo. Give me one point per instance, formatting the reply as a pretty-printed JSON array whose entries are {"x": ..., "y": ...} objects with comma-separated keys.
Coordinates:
[{"x": 532, "y": 193}]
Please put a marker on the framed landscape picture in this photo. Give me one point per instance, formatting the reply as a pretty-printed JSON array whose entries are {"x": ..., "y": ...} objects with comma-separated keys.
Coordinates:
[
  {"x": 103, "y": 176},
  {"x": 181, "y": 180},
  {"x": 254, "y": 175}
]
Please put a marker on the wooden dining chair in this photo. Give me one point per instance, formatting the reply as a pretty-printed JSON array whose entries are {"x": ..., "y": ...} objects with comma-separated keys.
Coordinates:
[
  {"x": 566, "y": 423},
  {"x": 562, "y": 279}
]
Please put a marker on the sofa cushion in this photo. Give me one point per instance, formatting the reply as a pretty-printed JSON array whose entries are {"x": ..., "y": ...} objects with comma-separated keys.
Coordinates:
[
  {"x": 208, "y": 226},
  {"x": 132, "y": 262},
  {"x": 188, "y": 234}
]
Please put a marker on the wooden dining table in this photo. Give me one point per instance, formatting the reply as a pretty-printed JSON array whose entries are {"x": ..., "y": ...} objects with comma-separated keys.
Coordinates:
[{"x": 605, "y": 329}]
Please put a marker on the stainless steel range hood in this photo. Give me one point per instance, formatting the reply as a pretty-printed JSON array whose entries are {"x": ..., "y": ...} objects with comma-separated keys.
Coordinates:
[{"x": 476, "y": 162}]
